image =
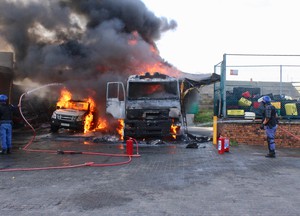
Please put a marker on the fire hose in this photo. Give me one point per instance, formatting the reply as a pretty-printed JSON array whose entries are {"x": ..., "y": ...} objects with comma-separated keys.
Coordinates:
[
  {"x": 289, "y": 133},
  {"x": 279, "y": 127},
  {"x": 89, "y": 164}
]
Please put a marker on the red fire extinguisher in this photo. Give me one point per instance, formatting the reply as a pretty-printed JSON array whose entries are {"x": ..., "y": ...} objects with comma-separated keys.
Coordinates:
[
  {"x": 226, "y": 144},
  {"x": 129, "y": 146},
  {"x": 221, "y": 149}
]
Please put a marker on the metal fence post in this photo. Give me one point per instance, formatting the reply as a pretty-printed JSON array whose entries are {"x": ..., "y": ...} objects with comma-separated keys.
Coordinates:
[
  {"x": 223, "y": 85},
  {"x": 280, "y": 90}
]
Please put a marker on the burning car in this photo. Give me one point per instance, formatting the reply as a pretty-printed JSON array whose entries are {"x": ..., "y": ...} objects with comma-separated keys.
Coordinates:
[
  {"x": 71, "y": 115},
  {"x": 150, "y": 107}
]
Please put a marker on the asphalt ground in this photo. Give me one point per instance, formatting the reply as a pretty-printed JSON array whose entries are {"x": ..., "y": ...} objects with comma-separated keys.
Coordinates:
[{"x": 167, "y": 179}]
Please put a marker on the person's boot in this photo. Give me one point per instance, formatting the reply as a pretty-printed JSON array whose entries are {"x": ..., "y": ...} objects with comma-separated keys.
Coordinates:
[
  {"x": 3, "y": 151},
  {"x": 271, "y": 154},
  {"x": 8, "y": 151}
]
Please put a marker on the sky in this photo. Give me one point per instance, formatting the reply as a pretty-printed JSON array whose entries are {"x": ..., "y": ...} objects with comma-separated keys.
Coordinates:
[{"x": 207, "y": 29}]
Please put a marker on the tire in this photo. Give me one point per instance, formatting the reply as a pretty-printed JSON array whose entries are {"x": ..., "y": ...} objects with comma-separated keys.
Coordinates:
[
  {"x": 54, "y": 128},
  {"x": 81, "y": 130}
]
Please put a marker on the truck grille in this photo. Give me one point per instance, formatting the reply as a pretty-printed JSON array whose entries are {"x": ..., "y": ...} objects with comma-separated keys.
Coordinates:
[
  {"x": 138, "y": 128},
  {"x": 66, "y": 117},
  {"x": 145, "y": 114}
]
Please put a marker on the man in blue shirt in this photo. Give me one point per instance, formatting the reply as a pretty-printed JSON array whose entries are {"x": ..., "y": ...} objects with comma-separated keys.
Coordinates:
[{"x": 6, "y": 112}]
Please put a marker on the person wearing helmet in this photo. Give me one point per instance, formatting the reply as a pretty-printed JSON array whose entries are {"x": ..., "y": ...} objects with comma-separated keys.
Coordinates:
[
  {"x": 269, "y": 123},
  {"x": 6, "y": 112}
]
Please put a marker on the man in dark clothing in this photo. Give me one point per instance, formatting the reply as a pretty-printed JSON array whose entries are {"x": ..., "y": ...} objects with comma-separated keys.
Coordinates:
[
  {"x": 269, "y": 123},
  {"x": 6, "y": 112}
]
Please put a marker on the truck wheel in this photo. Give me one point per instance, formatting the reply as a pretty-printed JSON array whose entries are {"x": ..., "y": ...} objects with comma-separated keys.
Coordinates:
[
  {"x": 54, "y": 128},
  {"x": 81, "y": 129}
]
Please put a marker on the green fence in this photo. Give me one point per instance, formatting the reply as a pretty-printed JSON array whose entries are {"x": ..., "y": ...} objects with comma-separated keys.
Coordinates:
[{"x": 245, "y": 78}]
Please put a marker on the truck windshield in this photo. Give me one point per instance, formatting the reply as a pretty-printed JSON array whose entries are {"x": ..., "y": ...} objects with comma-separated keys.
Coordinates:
[
  {"x": 152, "y": 90},
  {"x": 76, "y": 105}
]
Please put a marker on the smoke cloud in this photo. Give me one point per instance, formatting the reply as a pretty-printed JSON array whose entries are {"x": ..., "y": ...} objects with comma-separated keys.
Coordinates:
[
  {"x": 62, "y": 40},
  {"x": 81, "y": 43}
]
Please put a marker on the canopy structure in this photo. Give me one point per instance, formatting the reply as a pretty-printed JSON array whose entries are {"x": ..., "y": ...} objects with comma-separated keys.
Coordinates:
[{"x": 196, "y": 81}]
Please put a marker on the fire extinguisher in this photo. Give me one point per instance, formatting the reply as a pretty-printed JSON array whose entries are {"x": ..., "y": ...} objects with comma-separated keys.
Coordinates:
[
  {"x": 129, "y": 146},
  {"x": 226, "y": 144},
  {"x": 221, "y": 149}
]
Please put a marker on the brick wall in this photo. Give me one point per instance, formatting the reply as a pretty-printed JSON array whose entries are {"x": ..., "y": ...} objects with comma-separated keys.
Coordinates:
[{"x": 249, "y": 133}]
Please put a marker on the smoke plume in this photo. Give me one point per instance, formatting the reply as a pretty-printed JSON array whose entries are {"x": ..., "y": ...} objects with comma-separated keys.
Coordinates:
[
  {"x": 81, "y": 43},
  {"x": 63, "y": 40}
]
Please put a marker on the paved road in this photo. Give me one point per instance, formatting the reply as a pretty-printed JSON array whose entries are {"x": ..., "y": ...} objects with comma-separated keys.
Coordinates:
[{"x": 167, "y": 179}]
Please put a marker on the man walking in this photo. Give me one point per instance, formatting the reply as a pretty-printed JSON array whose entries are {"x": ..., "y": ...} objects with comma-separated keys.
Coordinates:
[{"x": 6, "y": 112}]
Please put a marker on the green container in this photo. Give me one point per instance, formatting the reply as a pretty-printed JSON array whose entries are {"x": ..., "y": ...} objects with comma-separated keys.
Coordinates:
[
  {"x": 278, "y": 112},
  {"x": 193, "y": 109}
]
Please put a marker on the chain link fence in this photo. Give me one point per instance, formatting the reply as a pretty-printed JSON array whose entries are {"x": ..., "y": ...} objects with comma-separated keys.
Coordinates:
[{"x": 246, "y": 78}]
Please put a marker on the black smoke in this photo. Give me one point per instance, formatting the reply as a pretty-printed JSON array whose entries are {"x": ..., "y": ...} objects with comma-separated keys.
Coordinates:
[
  {"x": 79, "y": 39},
  {"x": 81, "y": 43}
]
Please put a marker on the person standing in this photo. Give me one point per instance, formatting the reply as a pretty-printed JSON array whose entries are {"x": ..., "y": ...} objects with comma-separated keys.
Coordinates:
[
  {"x": 6, "y": 113},
  {"x": 269, "y": 124}
]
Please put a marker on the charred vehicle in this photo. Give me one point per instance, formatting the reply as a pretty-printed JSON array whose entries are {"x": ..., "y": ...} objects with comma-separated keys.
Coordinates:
[
  {"x": 150, "y": 106},
  {"x": 70, "y": 115}
]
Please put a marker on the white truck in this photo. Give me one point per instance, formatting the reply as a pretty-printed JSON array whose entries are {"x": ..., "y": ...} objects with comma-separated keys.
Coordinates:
[
  {"x": 70, "y": 116},
  {"x": 150, "y": 106}
]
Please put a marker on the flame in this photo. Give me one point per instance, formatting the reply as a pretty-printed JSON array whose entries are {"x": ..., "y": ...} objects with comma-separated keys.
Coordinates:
[
  {"x": 120, "y": 128},
  {"x": 159, "y": 65},
  {"x": 88, "y": 122},
  {"x": 174, "y": 129},
  {"x": 101, "y": 124},
  {"x": 161, "y": 68},
  {"x": 151, "y": 89},
  {"x": 65, "y": 96},
  {"x": 92, "y": 104}
]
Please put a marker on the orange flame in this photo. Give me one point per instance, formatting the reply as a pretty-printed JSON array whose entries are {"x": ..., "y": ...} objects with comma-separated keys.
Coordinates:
[
  {"x": 92, "y": 104},
  {"x": 101, "y": 124},
  {"x": 174, "y": 129},
  {"x": 120, "y": 128},
  {"x": 65, "y": 96},
  {"x": 88, "y": 122},
  {"x": 159, "y": 65},
  {"x": 161, "y": 68},
  {"x": 151, "y": 89}
]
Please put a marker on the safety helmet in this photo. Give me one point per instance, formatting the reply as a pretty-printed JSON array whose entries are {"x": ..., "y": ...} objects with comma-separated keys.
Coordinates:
[
  {"x": 3, "y": 97},
  {"x": 266, "y": 99}
]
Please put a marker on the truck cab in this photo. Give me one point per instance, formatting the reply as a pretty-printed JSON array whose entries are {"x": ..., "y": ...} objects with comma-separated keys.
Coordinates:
[{"x": 150, "y": 106}]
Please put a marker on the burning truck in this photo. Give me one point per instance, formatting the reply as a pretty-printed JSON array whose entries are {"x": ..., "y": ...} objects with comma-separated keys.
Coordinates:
[
  {"x": 72, "y": 114},
  {"x": 150, "y": 106}
]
